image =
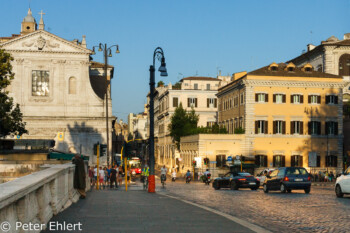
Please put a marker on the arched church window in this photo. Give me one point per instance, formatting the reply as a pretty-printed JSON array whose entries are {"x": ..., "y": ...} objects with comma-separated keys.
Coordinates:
[
  {"x": 319, "y": 68},
  {"x": 344, "y": 65},
  {"x": 72, "y": 89}
]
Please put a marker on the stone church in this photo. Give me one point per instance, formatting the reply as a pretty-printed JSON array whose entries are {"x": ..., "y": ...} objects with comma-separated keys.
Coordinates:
[{"x": 61, "y": 92}]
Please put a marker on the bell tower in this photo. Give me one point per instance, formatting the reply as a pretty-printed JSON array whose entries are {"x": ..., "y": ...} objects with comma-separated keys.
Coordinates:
[{"x": 29, "y": 24}]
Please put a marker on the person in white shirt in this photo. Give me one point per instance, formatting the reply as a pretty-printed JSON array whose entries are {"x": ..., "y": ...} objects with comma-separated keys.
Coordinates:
[{"x": 101, "y": 176}]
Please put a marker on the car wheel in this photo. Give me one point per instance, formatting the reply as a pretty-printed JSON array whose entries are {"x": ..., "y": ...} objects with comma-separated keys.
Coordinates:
[
  {"x": 289, "y": 190},
  {"x": 216, "y": 186},
  {"x": 307, "y": 191},
  {"x": 233, "y": 186},
  {"x": 266, "y": 190},
  {"x": 283, "y": 188},
  {"x": 338, "y": 191}
]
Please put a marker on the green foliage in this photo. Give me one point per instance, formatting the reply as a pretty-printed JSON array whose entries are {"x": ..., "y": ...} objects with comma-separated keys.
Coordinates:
[
  {"x": 239, "y": 130},
  {"x": 177, "y": 86},
  {"x": 160, "y": 83},
  {"x": 10, "y": 114},
  {"x": 182, "y": 123},
  {"x": 216, "y": 129}
]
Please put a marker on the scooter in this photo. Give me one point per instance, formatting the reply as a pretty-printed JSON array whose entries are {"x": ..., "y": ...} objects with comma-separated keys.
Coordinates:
[
  {"x": 208, "y": 179},
  {"x": 188, "y": 179}
]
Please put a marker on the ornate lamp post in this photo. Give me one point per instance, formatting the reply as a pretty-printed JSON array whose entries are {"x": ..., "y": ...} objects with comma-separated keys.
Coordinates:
[
  {"x": 107, "y": 52},
  {"x": 159, "y": 54}
]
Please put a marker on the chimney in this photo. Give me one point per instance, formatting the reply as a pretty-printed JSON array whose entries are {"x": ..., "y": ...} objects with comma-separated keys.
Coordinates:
[{"x": 310, "y": 47}]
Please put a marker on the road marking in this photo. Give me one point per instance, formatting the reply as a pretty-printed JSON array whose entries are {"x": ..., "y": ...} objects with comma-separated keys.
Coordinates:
[{"x": 244, "y": 223}]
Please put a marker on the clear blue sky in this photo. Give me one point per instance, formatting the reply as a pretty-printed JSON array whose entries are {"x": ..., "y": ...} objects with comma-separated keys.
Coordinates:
[{"x": 198, "y": 36}]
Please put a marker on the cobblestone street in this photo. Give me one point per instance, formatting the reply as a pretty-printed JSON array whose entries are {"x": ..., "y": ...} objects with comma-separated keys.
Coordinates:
[{"x": 320, "y": 211}]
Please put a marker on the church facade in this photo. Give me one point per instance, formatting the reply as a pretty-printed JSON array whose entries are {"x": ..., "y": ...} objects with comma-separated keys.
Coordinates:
[{"x": 60, "y": 91}]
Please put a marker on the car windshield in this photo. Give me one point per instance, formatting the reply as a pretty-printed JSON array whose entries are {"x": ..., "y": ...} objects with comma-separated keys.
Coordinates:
[
  {"x": 244, "y": 174},
  {"x": 296, "y": 171}
]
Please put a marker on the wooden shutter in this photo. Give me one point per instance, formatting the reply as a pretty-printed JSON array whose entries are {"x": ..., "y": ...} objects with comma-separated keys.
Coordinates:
[
  {"x": 309, "y": 99},
  {"x": 335, "y": 128},
  {"x": 266, "y": 98},
  {"x": 292, "y": 161},
  {"x": 256, "y": 127},
  {"x": 274, "y": 127},
  {"x": 283, "y": 161},
  {"x": 274, "y": 160},
  {"x": 188, "y": 102},
  {"x": 301, "y": 127},
  {"x": 336, "y": 99},
  {"x": 215, "y": 103},
  {"x": 319, "y": 128},
  {"x": 327, "y": 99},
  {"x": 300, "y": 161},
  {"x": 283, "y": 98},
  {"x": 292, "y": 127},
  {"x": 256, "y": 98},
  {"x": 266, "y": 127},
  {"x": 309, "y": 127},
  {"x": 318, "y": 99},
  {"x": 274, "y": 98},
  {"x": 208, "y": 102},
  {"x": 301, "y": 99},
  {"x": 195, "y": 103},
  {"x": 327, "y": 128},
  {"x": 265, "y": 161},
  {"x": 283, "y": 127},
  {"x": 292, "y": 99}
]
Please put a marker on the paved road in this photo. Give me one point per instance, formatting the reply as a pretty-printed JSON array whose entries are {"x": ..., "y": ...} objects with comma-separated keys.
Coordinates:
[
  {"x": 107, "y": 211},
  {"x": 319, "y": 211}
]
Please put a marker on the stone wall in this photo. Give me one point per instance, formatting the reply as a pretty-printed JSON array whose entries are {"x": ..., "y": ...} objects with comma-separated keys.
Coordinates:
[{"x": 35, "y": 198}]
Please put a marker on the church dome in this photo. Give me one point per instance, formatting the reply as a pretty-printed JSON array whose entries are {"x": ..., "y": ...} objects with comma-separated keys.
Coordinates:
[{"x": 29, "y": 18}]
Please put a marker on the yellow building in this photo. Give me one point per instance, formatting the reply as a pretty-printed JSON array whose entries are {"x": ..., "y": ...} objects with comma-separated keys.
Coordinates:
[{"x": 290, "y": 116}]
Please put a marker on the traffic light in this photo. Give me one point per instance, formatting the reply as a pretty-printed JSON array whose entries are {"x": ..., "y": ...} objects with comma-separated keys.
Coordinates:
[
  {"x": 206, "y": 161},
  {"x": 103, "y": 150},
  {"x": 95, "y": 149},
  {"x": 127, "y": 151},
  {"x": 194, "y": 163}
]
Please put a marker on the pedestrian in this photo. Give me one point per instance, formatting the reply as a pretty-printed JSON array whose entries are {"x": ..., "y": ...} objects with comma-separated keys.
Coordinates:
[
  {"x": 102, "y": 177},
  {"x": 109, "y": 173},
  {"x": 105, "y": 176},
  {"x": 79, "y": 182},
  {"x": 120, "y": 175},
  {"x": 326, "y": 177},
  {"x": 113, "y": 177},
  {"x": 95, "y": 175},
  {"x": 91, "y": 175}
]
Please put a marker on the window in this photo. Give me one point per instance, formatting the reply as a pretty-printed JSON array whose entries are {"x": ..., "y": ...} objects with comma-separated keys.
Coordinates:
[
  {"x": 72, "y": 86},
  {"x": 220, "y": 160},
  {"x": 196, "y": 86},
  {"x": 261, "y": 127},
  {"x": 279, "y": 161},
  {"x": 175, "y": 102},
  {"x": 279, "y": 98},
  {"x": 235, "y": 101},
  {"x": 212, "y": 103},
  {"x": 319, "y": 68},
  {"x": 290, "y": 69},
  {"x": 242, "y": 98},
  {"x": 261, "y": 160},
  {"x": 279, "y": 127},
  {"x": 192, "y": 102},
  {"x": 274, "y": 173},
  {"x": 297, "y": 99},
  {"x": 314, "y": 99},
  {"x": 40, "y": 83},
  {"x": 296, "y": 161},
  {"x": 331, "y": 99},
  {"x": 261, "y": 97},
  {"x": 331, "y": 128},
  {"x": 241, "y": 122},
  {"x": 230, "y": 103},
  {"x": 208, "y": 86},
  {"x": 296, "y": 127},
  {"x": 314, "y": 128},
  {"x": 210, "y": 123},
  {"x": 331, "y": 161}
]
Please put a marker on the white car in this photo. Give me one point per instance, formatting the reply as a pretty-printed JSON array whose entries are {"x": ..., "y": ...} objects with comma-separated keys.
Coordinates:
[
  {"x": 261, "y": 176},
  {"x": 342, "y": 185}
]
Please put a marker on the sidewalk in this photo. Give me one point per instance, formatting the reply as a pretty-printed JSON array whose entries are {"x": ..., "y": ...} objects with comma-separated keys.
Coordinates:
[{"x": 139, "y": 211}]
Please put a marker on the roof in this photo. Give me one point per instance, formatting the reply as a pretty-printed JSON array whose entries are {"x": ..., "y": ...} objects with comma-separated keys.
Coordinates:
[
  {"x": 297, "y": 72},
  {"x": 95, "y": 64},
  {"x": 200, "y": 79}
]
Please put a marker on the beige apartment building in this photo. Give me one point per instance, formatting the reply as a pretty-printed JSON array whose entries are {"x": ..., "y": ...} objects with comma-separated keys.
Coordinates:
[{"x": 287, "y": 116}]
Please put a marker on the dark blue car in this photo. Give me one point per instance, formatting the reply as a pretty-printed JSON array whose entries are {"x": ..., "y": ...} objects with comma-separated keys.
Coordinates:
[{"x": 285, "y": 179}]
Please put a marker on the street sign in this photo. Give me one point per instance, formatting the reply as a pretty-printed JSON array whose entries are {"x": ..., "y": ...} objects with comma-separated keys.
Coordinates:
[
  {"x": 229, "y": 159},
  {"x": 237, "y": 162}
]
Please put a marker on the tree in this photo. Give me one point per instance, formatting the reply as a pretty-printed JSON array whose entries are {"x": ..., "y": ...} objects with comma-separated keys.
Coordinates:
[
  {"x": 177, "y": 86},
  {"x": 10, "y": 114},
  {"x": 183, "y": 123},
  {"x": 160, "y": 84}
]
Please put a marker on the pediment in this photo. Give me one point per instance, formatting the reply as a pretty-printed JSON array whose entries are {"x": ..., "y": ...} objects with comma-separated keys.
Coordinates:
[{"x": 43, "y": 41}]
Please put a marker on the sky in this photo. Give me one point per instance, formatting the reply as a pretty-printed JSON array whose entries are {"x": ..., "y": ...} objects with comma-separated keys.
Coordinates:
[{"x": 199, "y": 37}]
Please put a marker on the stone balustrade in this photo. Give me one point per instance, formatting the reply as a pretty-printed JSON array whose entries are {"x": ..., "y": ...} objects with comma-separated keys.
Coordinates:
[{"x": 35, "y": 198}]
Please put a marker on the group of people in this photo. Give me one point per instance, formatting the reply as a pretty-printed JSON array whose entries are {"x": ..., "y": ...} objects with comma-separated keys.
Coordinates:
[
  {"x": 111, "y": 176},
  {"x": 324, "y": 176}
]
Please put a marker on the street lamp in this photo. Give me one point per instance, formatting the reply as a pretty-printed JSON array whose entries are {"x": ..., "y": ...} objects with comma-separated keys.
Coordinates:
[
  {"x": 159, "y": 54},
  {"x": 107, "y": 52}
]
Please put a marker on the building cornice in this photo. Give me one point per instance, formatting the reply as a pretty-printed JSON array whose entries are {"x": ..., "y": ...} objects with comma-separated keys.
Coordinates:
[{"x": 289, "y": 83}]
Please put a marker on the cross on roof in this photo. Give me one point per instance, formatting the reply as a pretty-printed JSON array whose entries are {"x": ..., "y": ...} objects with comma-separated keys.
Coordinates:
[{"x": 42, "y": 13}]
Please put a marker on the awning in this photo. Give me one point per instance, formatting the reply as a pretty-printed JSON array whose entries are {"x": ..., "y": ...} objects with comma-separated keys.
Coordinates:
[{"x": 64, "y": 156}]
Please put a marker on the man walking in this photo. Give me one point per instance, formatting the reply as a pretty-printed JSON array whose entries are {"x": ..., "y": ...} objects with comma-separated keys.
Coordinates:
[
  {"x": 79, "y": 182},
  {"x": 113, "y": 177}
]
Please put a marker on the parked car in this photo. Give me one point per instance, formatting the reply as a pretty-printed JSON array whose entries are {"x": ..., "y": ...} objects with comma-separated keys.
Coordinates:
[
  {"x": 236, "y": 180},
  {"x": 261, "y": 176},
  {"x": 342, "y": 184},
  {"x": 286, "y": 179}
]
